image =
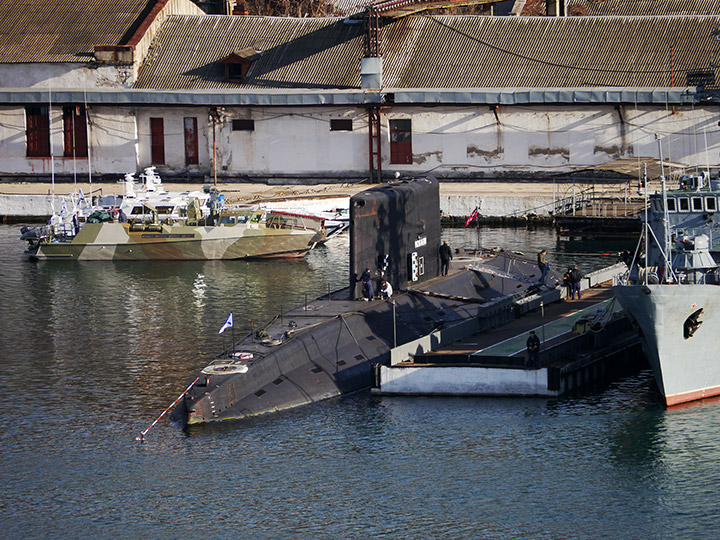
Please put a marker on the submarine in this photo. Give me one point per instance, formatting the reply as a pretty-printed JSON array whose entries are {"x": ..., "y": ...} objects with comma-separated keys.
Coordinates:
[{"x": 333, "y": 345}]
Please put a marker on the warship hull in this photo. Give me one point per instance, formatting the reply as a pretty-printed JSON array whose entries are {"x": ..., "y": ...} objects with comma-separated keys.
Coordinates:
[{"x": 677, "y": 324}]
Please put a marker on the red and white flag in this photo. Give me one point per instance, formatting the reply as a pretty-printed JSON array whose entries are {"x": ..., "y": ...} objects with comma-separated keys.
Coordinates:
[{"x": 473, "y": 217}]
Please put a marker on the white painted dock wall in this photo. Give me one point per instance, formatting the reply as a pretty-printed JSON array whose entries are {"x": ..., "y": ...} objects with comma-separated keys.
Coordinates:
[
  {"x": 464, "y": 380},
  {"x": 39, "y": 205},
  {"x": 492, "y": 205}
]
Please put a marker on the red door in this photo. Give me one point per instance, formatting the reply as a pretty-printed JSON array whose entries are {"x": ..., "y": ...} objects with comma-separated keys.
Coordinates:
[
  {"x": 75, "y": 132},
  {"x": 157, "y": 141},
  {"x": 400, "y": 142}
]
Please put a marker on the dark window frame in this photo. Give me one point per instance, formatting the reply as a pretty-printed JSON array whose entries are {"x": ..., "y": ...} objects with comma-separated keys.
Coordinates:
[
  {"x": 243, "y": 124},
  {"x": 341, "y": 124}
]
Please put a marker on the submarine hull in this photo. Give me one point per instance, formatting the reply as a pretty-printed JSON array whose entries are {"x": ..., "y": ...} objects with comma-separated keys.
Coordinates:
[{"x": 332, "y": 345}]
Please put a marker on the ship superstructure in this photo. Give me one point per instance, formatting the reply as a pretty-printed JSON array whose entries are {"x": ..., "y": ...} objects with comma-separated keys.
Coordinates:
[{"x": 671, "y": 292}]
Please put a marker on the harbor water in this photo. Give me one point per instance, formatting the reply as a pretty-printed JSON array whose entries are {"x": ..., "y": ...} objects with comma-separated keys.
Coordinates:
[{"x": 91, "y": 353}]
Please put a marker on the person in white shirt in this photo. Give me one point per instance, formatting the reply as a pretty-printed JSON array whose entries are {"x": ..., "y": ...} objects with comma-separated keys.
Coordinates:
[{"x": 386, "y": 289}]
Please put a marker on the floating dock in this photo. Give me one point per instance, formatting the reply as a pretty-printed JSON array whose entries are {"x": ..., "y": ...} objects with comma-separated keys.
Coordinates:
[{"x": 582, "y": 342}]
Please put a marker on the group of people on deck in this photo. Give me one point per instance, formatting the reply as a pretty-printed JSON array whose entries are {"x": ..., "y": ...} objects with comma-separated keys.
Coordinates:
[
  {"x": 368, "y": 291},
  {"x": 572, "y": 280},
  {"x": 385, "y": 290}
]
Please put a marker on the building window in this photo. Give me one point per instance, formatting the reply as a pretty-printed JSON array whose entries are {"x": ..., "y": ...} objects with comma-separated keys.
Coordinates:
[
  {"x": 74, "y": 132},
  {"x": 400, "y": 142},
  {"x": 191, "y": 141},
  {"x": 243, "y": 125},
  {"x": 157, "y": 141},
  {"x": 38, "y": 131},
  {"x": 235, "y": 72},
  {"x": 341, "y": 124}
]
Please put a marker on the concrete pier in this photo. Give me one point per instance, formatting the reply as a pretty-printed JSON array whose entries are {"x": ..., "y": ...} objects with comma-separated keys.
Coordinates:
[{"x": 33, "y": 201}]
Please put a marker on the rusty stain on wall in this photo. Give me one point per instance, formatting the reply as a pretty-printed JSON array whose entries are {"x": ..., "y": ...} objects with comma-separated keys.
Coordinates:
[
  {"x": 615, "y": 151},
  {"x": 536, "y": 151},
  {"x": 419, "y": 159},
  {"x": 475, "y": 151}
]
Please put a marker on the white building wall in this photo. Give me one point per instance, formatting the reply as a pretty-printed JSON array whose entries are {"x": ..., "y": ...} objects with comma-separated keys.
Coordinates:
[
  {"x": 296, "y": 142},
  {"x": 112, "y": 143},
  {"x": 174, "y": 134},
  {"x": 61, "y": 76},
  {"x": 113, "y": 140}
]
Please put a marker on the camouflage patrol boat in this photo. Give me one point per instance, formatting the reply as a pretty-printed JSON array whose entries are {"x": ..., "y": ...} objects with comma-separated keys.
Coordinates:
[{"x": 230, "y": 234}]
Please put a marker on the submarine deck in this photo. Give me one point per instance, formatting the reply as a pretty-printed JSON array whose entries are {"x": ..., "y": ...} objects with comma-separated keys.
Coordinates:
[{"x": 556, "y": 319}]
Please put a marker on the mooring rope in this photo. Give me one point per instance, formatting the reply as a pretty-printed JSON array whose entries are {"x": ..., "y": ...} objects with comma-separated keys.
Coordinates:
[{"x": 141, "y": 438}]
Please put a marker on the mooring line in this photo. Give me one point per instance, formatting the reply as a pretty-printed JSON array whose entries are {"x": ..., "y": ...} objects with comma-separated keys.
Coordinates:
[{"x": 141, "y": 438}]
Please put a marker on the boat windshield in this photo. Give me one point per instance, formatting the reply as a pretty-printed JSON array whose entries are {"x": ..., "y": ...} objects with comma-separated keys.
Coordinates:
[{"x": 228, "y": 219}]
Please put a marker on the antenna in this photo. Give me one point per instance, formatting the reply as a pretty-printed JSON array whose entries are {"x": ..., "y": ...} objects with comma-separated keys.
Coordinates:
[{"x": 666, "y": 215}]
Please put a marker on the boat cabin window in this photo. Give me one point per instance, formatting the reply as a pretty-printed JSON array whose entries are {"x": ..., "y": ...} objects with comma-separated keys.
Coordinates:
[
  {"x": 710, "y": 204},
  {"x": 232, "y": 220},
  {"x": 670, "y": 203},
  {"x": 697, "y": 204},
  {"x": 683, "y": 204},
  {"x": 164, "y": 210}
]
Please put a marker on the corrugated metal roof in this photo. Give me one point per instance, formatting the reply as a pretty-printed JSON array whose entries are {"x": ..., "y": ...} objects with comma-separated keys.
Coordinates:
[
  {"x": 643, "y": 7},
  {"x": 53, "y": 31},
  {"x": 317, "y": 53},
  {"x": 435, "y": 52}
]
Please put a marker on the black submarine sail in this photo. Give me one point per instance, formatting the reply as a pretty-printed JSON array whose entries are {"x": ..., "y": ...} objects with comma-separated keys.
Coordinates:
[{"x": 329, "y": 348}]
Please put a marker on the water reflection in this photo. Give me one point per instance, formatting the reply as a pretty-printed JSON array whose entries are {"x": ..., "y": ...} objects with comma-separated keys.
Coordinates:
[{"x": 91, "y": 353}]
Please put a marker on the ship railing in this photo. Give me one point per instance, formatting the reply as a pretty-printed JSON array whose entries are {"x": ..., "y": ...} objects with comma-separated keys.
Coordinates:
[
  {"x": 589, "y": 203},
  {"x": 64, "y": 230}
]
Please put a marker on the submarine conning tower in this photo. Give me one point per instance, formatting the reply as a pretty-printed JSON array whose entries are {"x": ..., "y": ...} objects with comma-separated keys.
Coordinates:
[{"x": 395, "y": 233}]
